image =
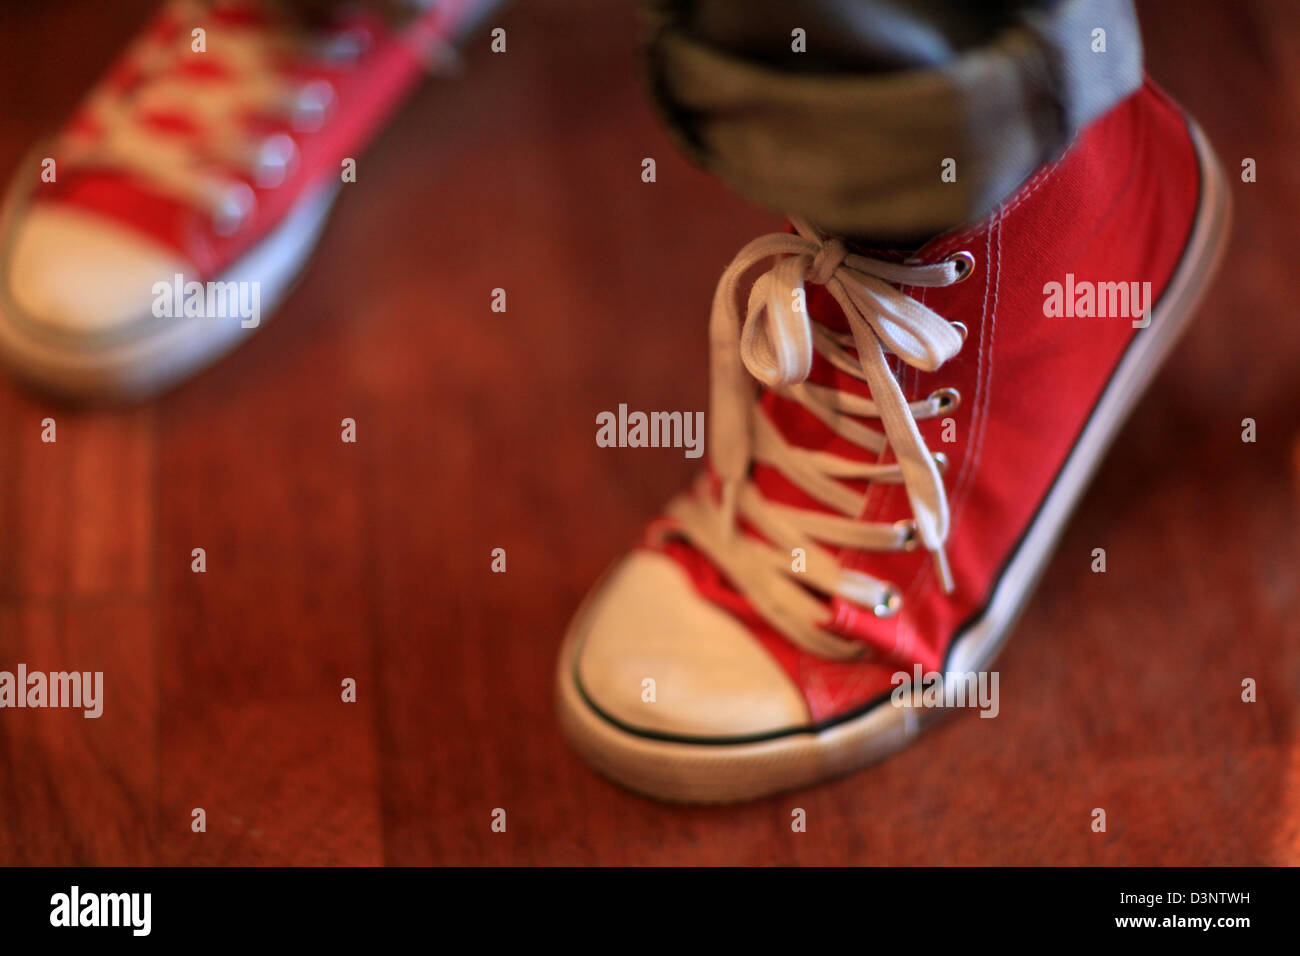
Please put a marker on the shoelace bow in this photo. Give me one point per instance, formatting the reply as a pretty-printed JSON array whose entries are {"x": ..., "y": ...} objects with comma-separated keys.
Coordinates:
[
  {"x": 777, "y": 342},
  {"x": 204, "y": 167}
]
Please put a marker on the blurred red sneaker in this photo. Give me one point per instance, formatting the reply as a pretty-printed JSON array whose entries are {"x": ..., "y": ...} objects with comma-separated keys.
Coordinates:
[
  {"x": 752, "y": 644},
  {"x": 192, "y": 184}
]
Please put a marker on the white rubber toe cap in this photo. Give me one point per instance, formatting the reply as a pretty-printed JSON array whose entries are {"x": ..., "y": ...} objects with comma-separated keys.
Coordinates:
[
  {"x": 84, "y": 275},
  {"x": 712, "y": 678}
]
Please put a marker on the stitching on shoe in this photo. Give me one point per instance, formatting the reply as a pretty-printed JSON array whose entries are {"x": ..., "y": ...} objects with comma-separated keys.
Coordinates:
[
  {"x": 962, "y": 493},
  {"x": 962, "y": 480},
  {"x": 924, "y": 580},
  {"x": 959, "y": 504},
  {"x": 1027, "y": 190}
]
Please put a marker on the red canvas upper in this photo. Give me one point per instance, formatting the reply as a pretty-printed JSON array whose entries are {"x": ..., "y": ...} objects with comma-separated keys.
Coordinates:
[
  {"x": 1118, "y": 206},
  {"x": 367, "y": 91}
]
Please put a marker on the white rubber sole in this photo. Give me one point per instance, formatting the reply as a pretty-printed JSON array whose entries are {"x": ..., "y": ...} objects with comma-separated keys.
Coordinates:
[
  {"x": 150, "y": 354},
  {"x": 722, "y": 772}
]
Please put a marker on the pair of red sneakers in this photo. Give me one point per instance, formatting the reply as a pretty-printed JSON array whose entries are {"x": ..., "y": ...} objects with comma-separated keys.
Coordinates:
[{"x": 896, "y": 438}]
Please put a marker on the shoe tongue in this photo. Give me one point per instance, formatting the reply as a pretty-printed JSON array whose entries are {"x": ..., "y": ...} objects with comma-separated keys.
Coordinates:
[{"x": 824, "y": 310}]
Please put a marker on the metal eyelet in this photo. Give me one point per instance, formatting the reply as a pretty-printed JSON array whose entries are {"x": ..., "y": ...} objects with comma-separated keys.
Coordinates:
[
  {"x": 948, "y": 399},
  {"x": 312, "y": 106},
  {"x": 275, "y": 157},
  {"x": 965, "y": 264},
  {"x": 961, "y": 329},
  {"x": 234, "y": 208},
  {"x": 908, "y": 528},
  {"x": 343, "y": 48},
  {"x": 891, "y": 602},
  {"x": 940, "y": 461}
]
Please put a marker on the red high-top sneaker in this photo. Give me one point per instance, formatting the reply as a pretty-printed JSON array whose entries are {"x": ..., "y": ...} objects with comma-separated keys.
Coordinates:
[
  {"x": 217, "y": 165},
  {"x": 885, "y": 503}
]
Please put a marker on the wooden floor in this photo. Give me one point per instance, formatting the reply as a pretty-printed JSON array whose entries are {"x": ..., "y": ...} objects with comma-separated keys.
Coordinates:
[{"x": 370, "y": 561}]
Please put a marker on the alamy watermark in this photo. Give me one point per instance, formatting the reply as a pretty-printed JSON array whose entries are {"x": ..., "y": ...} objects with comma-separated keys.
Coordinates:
[
  {"x": 77, "y": 690},
  {"x": 1101, "y": 300},
  {"x": 931, "y": 689},
  {"x": 179, "y": 299},
  {"x": 74, "y": 908},
  {"x": 626, "y": 429}
]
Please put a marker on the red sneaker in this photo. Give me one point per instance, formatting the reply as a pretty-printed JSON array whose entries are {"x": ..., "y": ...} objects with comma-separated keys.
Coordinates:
[
  {"x": 217, "y": 166},
  {"x": 751, "y": 644}
]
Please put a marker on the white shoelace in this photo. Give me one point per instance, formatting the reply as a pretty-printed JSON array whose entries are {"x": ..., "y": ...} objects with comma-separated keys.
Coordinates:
[
  {"x": 777, "y": 342},
  {"x": 198, "y": 169}
]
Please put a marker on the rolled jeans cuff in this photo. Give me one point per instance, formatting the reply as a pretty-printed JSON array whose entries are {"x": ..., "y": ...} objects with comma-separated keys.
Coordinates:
[{"x": 865, "y": 154}]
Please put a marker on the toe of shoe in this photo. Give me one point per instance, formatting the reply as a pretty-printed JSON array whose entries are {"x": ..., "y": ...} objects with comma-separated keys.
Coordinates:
[
  {"x": 657, "y": 657},
  {"x": 76, "y": 309},
  {"x": 80, "y": 276}
]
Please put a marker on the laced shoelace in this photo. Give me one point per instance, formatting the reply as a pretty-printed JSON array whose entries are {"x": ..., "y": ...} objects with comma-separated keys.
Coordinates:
[
  {"x": 777, "y": 341},
  {"x": 210, "y": 167}
]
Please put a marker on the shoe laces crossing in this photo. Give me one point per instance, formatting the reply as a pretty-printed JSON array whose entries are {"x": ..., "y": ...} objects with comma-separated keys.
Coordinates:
[
  {"x": 777, "y": 341},
  {"x": 182, "y": 120}
]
